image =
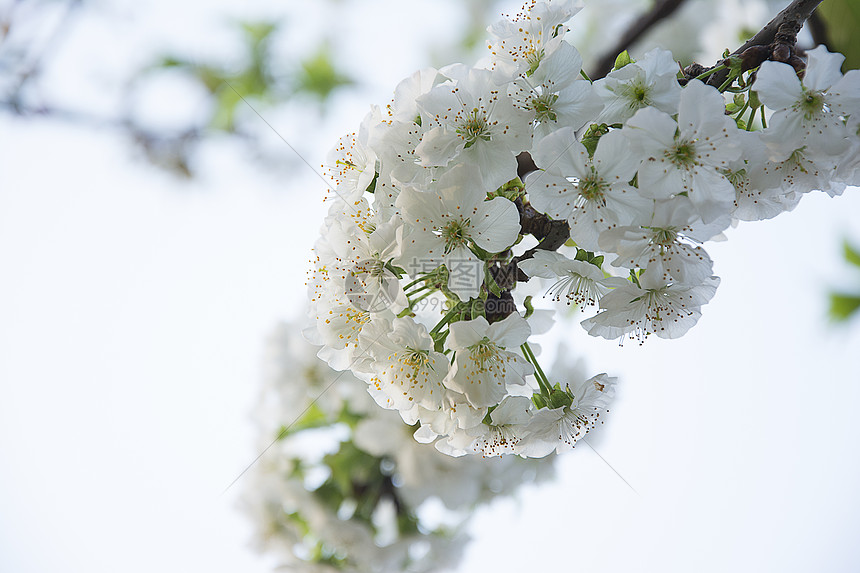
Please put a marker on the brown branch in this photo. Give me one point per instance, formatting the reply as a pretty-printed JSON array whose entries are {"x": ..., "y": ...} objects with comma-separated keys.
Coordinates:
[
  {"x": 775, "y": 41},
  {"x": 662, "y": 9},
  {"x": 550, "y": 233}
]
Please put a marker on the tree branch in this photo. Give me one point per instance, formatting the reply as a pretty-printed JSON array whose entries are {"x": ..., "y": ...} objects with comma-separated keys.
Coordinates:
[
  {"x": 662, "y": 9},
  {"x": 775, "y": 41}
]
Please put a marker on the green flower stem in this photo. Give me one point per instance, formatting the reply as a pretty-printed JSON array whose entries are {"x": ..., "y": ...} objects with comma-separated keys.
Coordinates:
[
  {"x": 445, "y": 320},
  {"x": 419, "y": 289},
  {"x": 727, "y": 83},
  {"x": 752, "y": 119},
  {"x": 763, "y": 120},
  {"x": 420, "y": 298},
  {"x": 709, "y": 72},
  {"x": 415, "y": 282},
  {"x": 543, "y": 381}
]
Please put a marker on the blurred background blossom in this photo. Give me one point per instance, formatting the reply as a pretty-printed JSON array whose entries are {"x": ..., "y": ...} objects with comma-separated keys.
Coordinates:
[{"x": 158, "y": 201}]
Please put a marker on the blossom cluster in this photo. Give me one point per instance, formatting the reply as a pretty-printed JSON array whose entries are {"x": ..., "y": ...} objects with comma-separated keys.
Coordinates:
[
  {"x": 635, "y": 173},
  {"x": 346, "y": 488}
]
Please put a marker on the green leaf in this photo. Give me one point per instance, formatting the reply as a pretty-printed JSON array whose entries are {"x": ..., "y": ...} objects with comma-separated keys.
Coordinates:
[
  {"x": 842, "y": 306},
  {"x": 319, "y": 77},
  {"x": 314, "y": 417},
  {"x": 622, "y": 60},
  {"x": 852, "y": 255},
  {"x": 491, "y": 283},
  {"x": 353, "y": 469},
  {"x": 842, "y": 19}
]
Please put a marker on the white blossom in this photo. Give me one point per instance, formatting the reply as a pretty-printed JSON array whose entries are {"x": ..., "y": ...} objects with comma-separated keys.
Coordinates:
[
  {"x": 556, "y": 94},
  {"x": 650, "y": 82},
  {"x": 655, "y": 306},
  {"x": 484, "y": 365},
  {"x": 470, "y": 120},
  {"x": 519, "y": 45},
  {"x": 686, "y": 157},
  {"x": 559, "y": 428},
  {"x": 593, "y": 194},
  {"x": 447, "y": 222},
  {"x": 578, "y": 282},
  {"x": 808, "y": 113}
]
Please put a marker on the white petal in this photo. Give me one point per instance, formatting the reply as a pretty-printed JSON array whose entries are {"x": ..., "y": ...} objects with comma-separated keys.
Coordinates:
[
  {"x": 495, "y": 225},
  {"x": 439, "y": 146},
  {"x": 823, "y": 69},
  {"x": 511, "y": 332},
  {"x": 777, "y": 85}
]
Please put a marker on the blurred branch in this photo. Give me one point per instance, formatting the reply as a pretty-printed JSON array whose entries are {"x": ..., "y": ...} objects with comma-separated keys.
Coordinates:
[
  {"x": 30, "y": 70},
  {"x": 171, "y": 151},
  {"x": 662, "y": 9},
  {"x": 257, "y": 78}
]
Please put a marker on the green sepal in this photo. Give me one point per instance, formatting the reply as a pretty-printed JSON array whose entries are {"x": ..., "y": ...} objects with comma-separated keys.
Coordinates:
[
  {"x": 487, "y": 419},
  {"x": 372, "y": 186},
  {"x": 570, "y": 243},
  {"x": 529, "y": 308},
  {"x": 539, "y": 400},
  {"x": 735, "y": 64},
  {"x": 593, "y": 135},
  {"x": 589, "y": 257},
  {"x": 622, "y": 60},
  {"x": 397, "y": 271},
  {"x": 482, "y": 254},
  {"x": 736, "y": 104},
  {"x": 490, "y": 282},
  {"x": 512, "y": 190},
  {"x": 559, "y": 398}
]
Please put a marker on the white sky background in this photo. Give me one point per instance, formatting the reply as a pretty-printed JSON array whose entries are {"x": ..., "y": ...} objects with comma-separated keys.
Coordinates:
[{"x": 133, "y": 310}]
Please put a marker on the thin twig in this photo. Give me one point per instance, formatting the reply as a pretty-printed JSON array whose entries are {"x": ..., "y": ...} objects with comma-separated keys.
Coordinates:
[{"x": 661, "y": 10}]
